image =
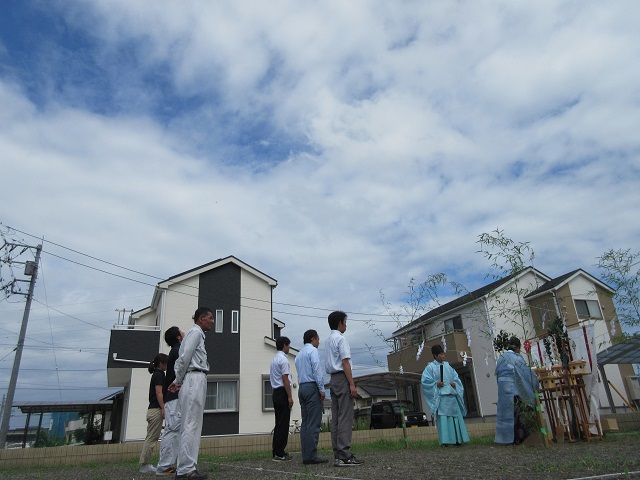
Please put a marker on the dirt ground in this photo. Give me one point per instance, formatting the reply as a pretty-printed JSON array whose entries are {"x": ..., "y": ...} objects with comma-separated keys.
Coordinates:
[{"x": 616, "y": 454}]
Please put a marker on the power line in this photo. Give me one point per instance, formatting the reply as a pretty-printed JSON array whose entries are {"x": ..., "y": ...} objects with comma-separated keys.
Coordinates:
[{"x": 191, "y": 286}]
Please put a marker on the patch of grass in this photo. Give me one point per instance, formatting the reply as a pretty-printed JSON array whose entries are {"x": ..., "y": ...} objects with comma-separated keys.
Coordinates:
[
  {"x": 483, "y": 441},
  {"x": 613, "y": 436}
]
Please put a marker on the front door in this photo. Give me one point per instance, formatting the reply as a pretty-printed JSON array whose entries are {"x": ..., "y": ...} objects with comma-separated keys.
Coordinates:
[{"x": 469, "y": 391}]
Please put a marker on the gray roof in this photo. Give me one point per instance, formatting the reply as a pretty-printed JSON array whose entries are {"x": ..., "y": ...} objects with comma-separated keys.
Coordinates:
[
  {"x": 80, "y": 406},
  {"x": 465, "y": 299},
  {"x": 621, "y": 353},
  {"x": 555, "y": 282}
]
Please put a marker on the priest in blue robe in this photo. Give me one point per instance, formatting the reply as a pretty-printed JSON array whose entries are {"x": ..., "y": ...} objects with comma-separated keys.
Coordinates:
[
  {"x": 517, "y": 384},
  {"x": 443, "y": 392}
]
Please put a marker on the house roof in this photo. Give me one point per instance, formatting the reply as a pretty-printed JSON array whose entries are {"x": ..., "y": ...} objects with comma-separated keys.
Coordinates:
[
  {"x": 180, "y": 277},
  {"x": 375, "y": 391},
  {"x": 214, "y": 264},
  {"x": 558, "y": 282},
  {"x": 388, "y": 380},
  {"x": 466, "y": 299}
]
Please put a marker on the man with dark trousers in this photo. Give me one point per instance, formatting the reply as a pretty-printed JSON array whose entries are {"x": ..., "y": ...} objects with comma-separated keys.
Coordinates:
[
  {"x": 343, "y": 390},
  {"x": 311, "y": 395},
  {"x": 280, "y": 377}
]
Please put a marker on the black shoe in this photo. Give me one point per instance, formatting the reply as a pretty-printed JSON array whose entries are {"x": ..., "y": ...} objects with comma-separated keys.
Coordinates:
[
  {"x": 281, "y": 458},
  {"x": 193, "y": 475},
  {"x": 316, "y": 461},
  {"x": 350, "y": 462}
]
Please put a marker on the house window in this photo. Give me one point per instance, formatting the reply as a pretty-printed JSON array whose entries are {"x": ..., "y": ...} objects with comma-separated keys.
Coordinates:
[
  {"x": 222, "y": 396},
  {"x": 454, "y": 323},
  {"x": 267, "y": 400},
  {"x": 219, "y": 321},
  {"x": 587, "y": 309},
  {"x": 235, "y": 321}
]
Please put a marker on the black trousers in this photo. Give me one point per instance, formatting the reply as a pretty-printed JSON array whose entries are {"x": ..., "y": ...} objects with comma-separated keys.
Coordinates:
[{"x": 283, "y": 414}]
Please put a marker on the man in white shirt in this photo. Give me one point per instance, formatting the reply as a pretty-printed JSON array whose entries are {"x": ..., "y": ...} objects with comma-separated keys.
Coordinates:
[
  {"x": 311, "y": 395},
  {"x": 279, "y": 375},
  {"x": 191, "y": 369},
  {"x": 343, "y": 390}
]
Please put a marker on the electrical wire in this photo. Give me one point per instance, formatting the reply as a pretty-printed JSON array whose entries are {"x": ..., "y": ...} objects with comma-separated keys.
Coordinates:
[{"x": 325, "y": 309}]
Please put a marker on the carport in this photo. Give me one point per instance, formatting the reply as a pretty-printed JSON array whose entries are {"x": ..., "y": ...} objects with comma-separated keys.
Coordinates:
[
  {"x": 109, "y": 403},
  {"x": 620, "y": 353}
]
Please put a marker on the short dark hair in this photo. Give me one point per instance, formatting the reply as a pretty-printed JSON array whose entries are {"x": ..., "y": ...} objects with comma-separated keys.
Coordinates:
[
  {"x": 201, "y": 312},
  {"x": 437, "y": 349},
  {"x": 171, "y": 336},
  {"x": 514, "y": 342},
  {"x": 282, "y": 342},
  {"x": 309, "y": 335},
  {"x": 335, "y": 318}
]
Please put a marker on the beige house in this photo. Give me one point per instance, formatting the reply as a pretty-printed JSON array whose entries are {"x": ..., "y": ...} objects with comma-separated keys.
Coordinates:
[{"x": 521, "y": 304}]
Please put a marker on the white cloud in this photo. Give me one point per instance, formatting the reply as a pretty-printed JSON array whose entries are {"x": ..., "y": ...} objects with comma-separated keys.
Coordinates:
[{"x": 342, "y": 148}]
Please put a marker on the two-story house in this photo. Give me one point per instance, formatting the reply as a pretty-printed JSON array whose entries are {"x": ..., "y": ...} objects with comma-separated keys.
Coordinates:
[
  {"x": 239, "y": 347},
  {"x": 519, "y": 304}
]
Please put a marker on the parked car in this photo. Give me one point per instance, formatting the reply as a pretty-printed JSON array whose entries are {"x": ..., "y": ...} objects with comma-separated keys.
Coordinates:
[
  {"x": 386, "y": 414},
  {"x": 361, "y": 418}
]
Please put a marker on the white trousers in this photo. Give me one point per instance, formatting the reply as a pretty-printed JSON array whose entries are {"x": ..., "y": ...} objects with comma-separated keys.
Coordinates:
[
  {"x": 170, "y": 439},
  {"x": 191, "y": 400}
]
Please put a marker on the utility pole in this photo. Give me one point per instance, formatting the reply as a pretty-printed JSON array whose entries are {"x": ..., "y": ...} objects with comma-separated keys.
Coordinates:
[{"x": 30, "y": 269}]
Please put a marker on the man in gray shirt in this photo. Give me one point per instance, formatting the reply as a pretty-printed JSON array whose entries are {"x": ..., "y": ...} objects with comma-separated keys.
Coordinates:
[{"x": 191, "y": 379}]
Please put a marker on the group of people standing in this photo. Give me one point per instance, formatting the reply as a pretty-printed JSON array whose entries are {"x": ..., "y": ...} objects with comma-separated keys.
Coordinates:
[
  {"x": 444, "y": 393},
  {"x": 311, "y": 394},
  {"x": 178, "y": 397},
  {"x": 178, "y": 385}
]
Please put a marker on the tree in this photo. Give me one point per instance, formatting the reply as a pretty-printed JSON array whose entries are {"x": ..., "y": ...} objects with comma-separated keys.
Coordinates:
[
  {"x": 418, "y": 299},
  {"x": 509, "y": 258},
  {"x": 621, "y": 271}
]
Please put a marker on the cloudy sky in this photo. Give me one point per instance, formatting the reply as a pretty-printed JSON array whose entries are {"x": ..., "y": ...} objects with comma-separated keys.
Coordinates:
[{"x": 342, "y": 148}]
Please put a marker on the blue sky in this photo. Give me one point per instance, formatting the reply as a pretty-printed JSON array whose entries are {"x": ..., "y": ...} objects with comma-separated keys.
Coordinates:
[{"x": 342, "y": 148}]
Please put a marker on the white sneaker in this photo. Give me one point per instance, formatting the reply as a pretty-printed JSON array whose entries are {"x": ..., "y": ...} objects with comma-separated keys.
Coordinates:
[{"x": 147, "y": 469}]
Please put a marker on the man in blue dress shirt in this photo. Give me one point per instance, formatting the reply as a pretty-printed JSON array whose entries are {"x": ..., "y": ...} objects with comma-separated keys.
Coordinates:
[{"x": 311, "y": 395}]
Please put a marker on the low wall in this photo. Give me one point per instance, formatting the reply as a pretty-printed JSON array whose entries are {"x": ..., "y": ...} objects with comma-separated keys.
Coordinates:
[
  {"x": 215, "y": 446},
  {"x": 625, "y": 421},
  {"x": 240, "y": 444}
]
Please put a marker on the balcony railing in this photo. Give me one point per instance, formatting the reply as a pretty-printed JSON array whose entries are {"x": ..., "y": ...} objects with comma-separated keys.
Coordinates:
[
  {"x": 456, "y": 343},
  {"x": 147, "y": 328}
]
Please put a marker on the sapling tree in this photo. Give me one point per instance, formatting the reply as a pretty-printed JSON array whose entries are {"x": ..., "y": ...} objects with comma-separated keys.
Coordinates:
[
  {"x": 508, "y": 258},
  {"x": 621, "y": 271}
]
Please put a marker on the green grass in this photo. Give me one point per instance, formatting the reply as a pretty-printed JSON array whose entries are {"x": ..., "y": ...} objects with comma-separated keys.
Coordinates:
[{"x": 587, "y": 461}]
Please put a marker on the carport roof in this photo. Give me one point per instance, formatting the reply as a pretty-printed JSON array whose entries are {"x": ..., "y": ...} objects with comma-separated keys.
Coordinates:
[
  {"x": 80, "y": 406},
  {"x": 388, "y": 380},
  {"x": 621, "y": 353}
]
